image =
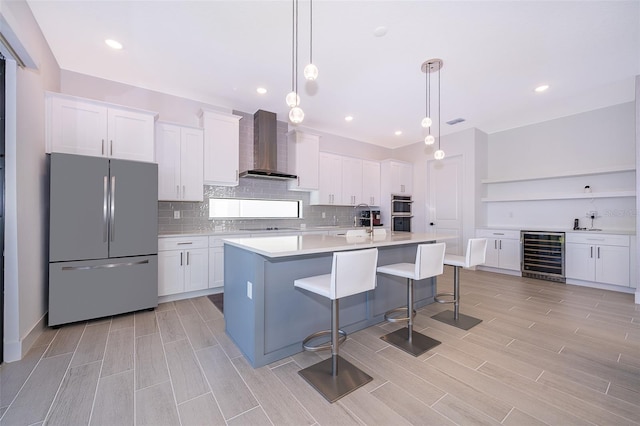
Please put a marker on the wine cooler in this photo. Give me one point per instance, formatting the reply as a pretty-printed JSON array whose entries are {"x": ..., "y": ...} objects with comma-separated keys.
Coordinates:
[{"x": 543, "y": 255}]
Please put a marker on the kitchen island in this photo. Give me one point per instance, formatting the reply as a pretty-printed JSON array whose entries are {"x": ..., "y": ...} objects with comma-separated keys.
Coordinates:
[{"x": 268, "y": 318}]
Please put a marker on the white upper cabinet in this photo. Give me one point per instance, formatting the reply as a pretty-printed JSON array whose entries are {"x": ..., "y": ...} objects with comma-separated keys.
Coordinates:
[
  {"x": 180, "y": 167},
  {"x": 330, "y": 180},
  {"x": 87, "y": 127},
  {"x": 398, "y": 177},
  {"x": 351, "y": 181},
  {"x": 303, "y": 150},
  {"x": 346, "y": 181},
  {"x": 221, "y": 147},
  {"x": 371, "y": 182}
]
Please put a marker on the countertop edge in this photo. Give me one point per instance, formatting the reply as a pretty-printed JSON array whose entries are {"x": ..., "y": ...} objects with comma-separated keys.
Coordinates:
[{"x": 337, "y": 243}]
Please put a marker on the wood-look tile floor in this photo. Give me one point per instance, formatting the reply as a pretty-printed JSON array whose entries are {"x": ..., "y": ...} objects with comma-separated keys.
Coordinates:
[{"x": 545, "y": 353}]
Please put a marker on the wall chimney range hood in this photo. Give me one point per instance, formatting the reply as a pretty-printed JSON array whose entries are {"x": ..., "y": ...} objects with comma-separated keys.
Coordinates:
[{"x": 265, "y": 148}]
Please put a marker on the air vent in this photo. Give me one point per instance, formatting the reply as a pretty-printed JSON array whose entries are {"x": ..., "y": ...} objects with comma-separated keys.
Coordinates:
[{"x": 455, "y": 121}]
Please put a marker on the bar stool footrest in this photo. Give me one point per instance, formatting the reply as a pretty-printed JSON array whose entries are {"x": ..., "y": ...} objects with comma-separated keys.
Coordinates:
[
  {"x": 334, "y": 387},
  {"x": 388, "y": 315},
  {"x": 418, "y": 345},
  {"x": 323, "y": 346},
  {"x": 440, "y": 298},
  {"x": 464, "y": 322}
]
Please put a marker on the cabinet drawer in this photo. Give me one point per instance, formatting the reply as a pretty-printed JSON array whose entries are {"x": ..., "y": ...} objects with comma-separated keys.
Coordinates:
[
  {"x": 178, "y": 243},
  {"x": 598, "y": 239},
  {"x": 498, "y": 234}
]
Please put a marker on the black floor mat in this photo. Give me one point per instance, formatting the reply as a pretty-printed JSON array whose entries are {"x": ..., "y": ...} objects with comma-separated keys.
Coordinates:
[{"x": 217, "y": 300}]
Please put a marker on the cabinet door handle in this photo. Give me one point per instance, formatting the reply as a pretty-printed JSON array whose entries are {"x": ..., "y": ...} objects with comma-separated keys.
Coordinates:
[
  {"x": 187, "y": 258},
  {"x": 237, "y": 175},
  {"x": 500, "y": 245},
  {"x": 102, "y": 146},
  {"x": 495, "y": 244},
  {"x": 178, "y": 191},
  {"x": 598, "y": 253},
  {"x": 111, "y": 149},
  {"x": 182, "y": 244},
  {"x": 591, "y": 253},
  {"x": 184, "y": 191},
  {"x": 180, "y": 258}
]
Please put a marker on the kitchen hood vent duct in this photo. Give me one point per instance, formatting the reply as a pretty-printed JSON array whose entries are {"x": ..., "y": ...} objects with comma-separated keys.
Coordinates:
[{"x": 265, "y": 148}]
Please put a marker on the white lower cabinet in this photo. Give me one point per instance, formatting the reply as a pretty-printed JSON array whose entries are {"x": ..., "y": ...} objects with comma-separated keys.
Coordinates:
[
  {"x": 503, "y": 248},
  {"x": 183, "y": 265},
  {"x": 601, "y": 258},
  {"x": 216, "y": 260}
]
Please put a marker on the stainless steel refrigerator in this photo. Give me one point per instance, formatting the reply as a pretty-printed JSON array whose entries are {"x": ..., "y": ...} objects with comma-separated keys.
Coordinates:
[{"x": 103, "y": 237}]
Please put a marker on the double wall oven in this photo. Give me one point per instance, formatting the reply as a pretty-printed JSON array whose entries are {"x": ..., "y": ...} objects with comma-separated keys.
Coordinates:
[{"x": 401, "y": 213}]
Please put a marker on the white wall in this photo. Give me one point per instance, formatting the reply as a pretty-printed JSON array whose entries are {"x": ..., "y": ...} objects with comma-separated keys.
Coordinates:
[
  {"x": 590, "y": 140},
  {"x": 470, "y": 144},
  {"x": 26, "y": 260},
  {"x": 593, "y": 140}
]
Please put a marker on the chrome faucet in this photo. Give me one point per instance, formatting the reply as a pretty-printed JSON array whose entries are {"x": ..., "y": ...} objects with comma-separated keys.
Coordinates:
[{"x": 370, "y": 230}]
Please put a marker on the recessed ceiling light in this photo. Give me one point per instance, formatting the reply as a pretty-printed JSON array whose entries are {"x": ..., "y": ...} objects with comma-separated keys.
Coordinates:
[
  {"x": 348, "y": 118},
  {"x": 114, "y": 44},
  {"x": 541, "y": 88},
  {"x": 261, "y": 90},
  {"x": 380, "y": 31},
  {"x": 398, "y": 132}
]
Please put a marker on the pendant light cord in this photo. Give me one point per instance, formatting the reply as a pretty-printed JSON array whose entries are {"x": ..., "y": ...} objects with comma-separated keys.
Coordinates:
[
  {"x": 293, "y": 43},
  {"x": 439, "y": 106},
  {"x": 428, "y": 107},
  {"x": 296, "y": 31},
  {"x": 310, "y": 31}
]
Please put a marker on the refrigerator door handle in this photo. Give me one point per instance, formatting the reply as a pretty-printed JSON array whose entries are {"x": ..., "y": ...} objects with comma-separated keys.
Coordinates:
[
  {"x": 110, "y": 265},
  {"x": 105, "y": 210},
  {"x": 112, "y": 227}
]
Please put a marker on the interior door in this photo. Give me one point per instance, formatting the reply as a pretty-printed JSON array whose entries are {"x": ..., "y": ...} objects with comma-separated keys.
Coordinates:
[
  {"x": 444, "y": 200},
  {"x": 133, "y": 225}
]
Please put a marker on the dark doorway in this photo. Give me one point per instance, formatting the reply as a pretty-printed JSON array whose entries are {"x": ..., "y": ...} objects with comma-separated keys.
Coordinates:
[{"x": 2, "y": 192}]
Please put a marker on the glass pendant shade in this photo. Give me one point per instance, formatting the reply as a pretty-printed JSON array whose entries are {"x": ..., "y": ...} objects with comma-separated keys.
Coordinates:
[
  {"x": 292, "y": 99},
  {"x": 426, "y": 122},
  {"x": 438, "y": 155},
  {"x": 296, "y": 115},
  {"x": 310, "y": 72},
  {"x": 429, "y": 140}
]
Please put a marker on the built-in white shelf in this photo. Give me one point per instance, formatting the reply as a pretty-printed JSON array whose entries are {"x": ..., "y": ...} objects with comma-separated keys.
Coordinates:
[
  {"x": 560, "y": 196},
  {"x": 617, "y": 169}
]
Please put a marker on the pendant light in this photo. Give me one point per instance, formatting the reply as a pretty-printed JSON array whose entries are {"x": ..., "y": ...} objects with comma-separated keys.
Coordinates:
[
  {"x": 296, "y": 115},
  {"x": 428, "y": 67},
  {"x": 310, "y": 71}
]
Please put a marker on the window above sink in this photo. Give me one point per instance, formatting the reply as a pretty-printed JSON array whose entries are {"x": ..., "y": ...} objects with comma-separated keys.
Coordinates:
[{"x": 248, "y": 208}]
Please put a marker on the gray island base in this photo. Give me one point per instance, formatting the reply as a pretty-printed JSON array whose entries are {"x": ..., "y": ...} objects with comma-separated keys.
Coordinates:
[{"x": 268, "y": 318}]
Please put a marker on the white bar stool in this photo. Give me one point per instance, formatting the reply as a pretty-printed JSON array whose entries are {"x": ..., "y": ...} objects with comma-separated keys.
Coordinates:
[
  {"x": 352, "y": 272},
  {"x": 476, "y": 253},
  {"x": 429, "y": 263}
]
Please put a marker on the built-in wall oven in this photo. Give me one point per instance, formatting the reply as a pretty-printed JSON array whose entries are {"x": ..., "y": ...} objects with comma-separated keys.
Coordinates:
[{"x": 401, "y": 207}]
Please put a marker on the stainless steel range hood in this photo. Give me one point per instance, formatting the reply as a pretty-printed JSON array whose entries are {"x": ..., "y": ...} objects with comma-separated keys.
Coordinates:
[{"x": 265, "y": 148}]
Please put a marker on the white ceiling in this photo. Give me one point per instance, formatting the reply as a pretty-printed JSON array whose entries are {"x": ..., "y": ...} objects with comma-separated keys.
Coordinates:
[{"x": 495, "y": 53}]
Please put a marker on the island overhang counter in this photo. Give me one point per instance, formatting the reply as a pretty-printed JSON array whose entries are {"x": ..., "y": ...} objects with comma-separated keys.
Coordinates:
[{"x": 267, "y": 318}]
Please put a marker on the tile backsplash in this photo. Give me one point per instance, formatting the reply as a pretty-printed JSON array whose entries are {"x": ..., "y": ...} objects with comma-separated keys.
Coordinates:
[{"x": 194, "y": 216}]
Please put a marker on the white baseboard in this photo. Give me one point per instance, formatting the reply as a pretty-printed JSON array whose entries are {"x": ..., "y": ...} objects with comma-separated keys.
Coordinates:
[{"x": 15, "y": 350}]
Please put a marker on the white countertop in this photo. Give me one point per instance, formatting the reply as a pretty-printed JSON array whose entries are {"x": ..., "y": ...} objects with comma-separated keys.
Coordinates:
[
  {"x": 259, "y": 231},
  {"x": 284, "y": 246},
  {"x": 552, "y": 229}
]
